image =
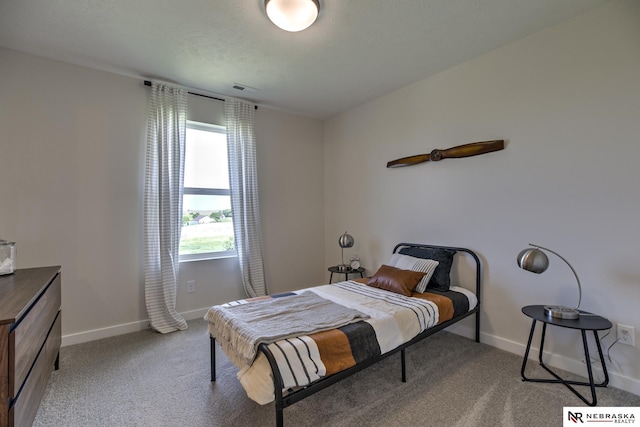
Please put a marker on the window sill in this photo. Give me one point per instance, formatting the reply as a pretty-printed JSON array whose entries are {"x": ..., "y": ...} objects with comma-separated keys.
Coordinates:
[{"x": 207, "y": 257}]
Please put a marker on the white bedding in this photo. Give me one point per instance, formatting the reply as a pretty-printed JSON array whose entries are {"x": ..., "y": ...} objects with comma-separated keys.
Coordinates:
[{"x": 395, "y": 319}]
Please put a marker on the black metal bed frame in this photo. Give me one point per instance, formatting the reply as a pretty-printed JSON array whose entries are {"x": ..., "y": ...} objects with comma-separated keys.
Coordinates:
[{"x": 284, "y": 401}]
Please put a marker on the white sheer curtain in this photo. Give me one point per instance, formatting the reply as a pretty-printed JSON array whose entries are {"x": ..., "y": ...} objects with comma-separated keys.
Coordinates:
[
  {"x": 166, "y": 133},
  {"x": 243, "y": 179}
]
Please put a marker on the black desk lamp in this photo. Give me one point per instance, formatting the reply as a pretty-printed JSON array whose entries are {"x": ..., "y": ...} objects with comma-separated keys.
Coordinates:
[{"x": 536, "y": 261}]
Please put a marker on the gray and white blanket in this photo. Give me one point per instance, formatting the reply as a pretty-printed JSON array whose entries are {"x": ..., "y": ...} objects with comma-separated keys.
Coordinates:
[{"x": 240, "y": 329}]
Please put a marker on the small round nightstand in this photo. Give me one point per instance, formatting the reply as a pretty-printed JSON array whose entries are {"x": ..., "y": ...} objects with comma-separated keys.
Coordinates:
[
  {"x": 336, "y": 269},
  {"x": 586, "y": 322}
]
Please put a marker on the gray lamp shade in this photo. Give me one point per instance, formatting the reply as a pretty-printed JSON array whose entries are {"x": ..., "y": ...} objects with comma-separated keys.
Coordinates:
[
  {"x": 346, "y": 240},
  {"x": 533, "y": 260}
]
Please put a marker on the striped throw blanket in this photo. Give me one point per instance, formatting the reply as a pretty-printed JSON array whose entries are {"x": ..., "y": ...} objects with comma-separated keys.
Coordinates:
[{"x": 240, "y": 328}]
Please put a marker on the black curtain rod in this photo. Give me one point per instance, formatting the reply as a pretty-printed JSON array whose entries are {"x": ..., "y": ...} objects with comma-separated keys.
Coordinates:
[{"x": 148, "y": 83}]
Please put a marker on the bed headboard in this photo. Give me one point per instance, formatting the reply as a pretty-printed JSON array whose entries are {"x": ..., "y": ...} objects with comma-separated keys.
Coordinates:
[{"x": 420, "y": 250}]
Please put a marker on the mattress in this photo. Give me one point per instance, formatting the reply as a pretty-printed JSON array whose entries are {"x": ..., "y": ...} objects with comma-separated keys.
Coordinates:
[{"x": 393, "y": 319}]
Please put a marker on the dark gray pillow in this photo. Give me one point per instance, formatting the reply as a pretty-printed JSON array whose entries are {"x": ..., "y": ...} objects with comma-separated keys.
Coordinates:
[{"x": 440, "y": 279}]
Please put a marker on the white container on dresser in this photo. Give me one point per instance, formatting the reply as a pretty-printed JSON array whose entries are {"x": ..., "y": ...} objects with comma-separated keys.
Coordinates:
[{"x": 30, "y": 336}]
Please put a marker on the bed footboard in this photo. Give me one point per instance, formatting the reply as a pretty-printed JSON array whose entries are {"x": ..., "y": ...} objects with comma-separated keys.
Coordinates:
[
  {"x": 283, "y": 401},
  {"x": 212, "y": 343}
]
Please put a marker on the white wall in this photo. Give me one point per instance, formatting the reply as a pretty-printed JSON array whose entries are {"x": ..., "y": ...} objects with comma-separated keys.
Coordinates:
[
  {"x": 71, "y": 186},
  {"x": 71, "y": 174},
  {"x": 567, "y": 100}
]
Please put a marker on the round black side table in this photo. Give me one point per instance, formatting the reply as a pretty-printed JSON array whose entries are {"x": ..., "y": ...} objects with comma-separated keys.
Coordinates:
[
  {"x": 336, "y": 269},
  {"x": 586, "y": 322}
]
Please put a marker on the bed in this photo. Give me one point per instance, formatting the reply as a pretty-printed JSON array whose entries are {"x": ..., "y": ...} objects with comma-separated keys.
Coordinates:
[{"x": 289, "y": 346}]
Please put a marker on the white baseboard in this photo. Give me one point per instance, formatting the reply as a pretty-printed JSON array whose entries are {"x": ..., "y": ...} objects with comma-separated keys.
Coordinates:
[
  {"x": 616, "y": 379},
  {"x": 125, "y": 328}
]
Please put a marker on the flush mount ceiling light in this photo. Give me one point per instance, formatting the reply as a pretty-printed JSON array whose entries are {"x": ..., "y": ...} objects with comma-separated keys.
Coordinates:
[{"x": 292, "y": 15}]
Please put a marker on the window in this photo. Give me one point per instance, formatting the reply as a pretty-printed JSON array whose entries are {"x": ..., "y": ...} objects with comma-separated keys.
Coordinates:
[{"x": 207, "y": 220}]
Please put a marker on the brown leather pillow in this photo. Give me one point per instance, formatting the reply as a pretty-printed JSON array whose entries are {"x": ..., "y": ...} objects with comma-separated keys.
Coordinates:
[{"x": 395, "y": 280}]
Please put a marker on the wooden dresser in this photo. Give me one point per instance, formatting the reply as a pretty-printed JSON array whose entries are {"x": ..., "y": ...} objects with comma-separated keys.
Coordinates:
[{"x": 30, "y": 336}]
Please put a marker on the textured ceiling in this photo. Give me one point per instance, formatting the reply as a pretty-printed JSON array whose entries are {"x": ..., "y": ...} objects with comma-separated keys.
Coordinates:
[{"x": 356, "y": 51}]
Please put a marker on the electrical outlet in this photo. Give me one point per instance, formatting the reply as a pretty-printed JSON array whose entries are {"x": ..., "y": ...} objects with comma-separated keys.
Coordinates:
[
  {"x": 626, "y": 335},
  {"x": 191, "y": 286}
]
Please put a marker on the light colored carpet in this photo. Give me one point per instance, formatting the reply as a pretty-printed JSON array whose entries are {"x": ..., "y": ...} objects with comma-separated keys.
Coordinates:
[{"x": 149, "y": 379}]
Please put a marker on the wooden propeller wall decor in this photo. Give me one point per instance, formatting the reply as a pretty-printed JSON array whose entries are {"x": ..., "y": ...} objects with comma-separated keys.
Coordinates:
[{"x": 466, "y": 150}]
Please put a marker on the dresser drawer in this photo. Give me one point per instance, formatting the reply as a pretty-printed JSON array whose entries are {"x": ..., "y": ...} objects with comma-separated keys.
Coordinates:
[
  {"x": 25, "y": 408},
  {"x": 29, "y": 335}
]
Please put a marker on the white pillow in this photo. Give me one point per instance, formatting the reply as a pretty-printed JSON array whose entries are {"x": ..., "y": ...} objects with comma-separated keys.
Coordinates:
[{"x": 406, "y": 262}]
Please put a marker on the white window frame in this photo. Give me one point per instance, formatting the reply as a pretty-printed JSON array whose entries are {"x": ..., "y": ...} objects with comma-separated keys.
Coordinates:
[{"x": 207, "y": 192}]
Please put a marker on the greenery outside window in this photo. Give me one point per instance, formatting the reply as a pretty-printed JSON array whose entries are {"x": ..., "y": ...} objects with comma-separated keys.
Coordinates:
[{"x": 207, "y": 220}]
